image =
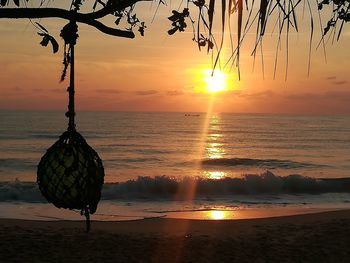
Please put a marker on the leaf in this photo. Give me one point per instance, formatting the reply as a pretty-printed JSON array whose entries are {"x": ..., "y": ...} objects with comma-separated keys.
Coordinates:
[
  {"x": 239, "y": 29},
  {"x": 178, "y": 21},
  {"x": 311, "y": 37},
  {"x": 210, "y": 44},
  {"x": 94, "y": 6},
  {"x": 211, "y": 14},
  {"x": 172, "y": 31},
  {"x": 262, "y": 16},
  {"x": 41, "y": 27},
  {"x": 54, "y": 44},
  {"x": 223, "y": 9},
  {"x": 199, "y": 3},
  {"x": 347, "y": 18},
  {"x": 202, "y": 43},
  {"x": 49, "y": 39},
  {"x": 45, "y": 40},
  {"x": 142, "y": 30},
  {"x": 176, "y": 15},
  {"x": 294, "y": 16},
  {"x": 117, "y": 21}
]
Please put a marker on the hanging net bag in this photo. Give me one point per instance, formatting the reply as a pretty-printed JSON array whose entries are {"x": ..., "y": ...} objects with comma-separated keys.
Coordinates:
[{"x": 70, "y": 174}]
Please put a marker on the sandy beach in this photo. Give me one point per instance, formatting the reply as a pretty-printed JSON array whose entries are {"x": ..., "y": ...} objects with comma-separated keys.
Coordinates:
[{"x": 319, "y": 237}]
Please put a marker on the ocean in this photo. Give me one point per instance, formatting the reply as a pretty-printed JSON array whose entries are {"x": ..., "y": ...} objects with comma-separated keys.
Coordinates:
[{"x": 157, "y": 164}]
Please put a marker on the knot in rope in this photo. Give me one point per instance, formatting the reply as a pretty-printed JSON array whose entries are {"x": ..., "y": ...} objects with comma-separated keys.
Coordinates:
[{"x": 69, "y": 33}]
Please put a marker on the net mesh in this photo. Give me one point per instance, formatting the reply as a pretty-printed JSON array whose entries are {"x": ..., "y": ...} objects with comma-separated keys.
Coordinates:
[{"x": 70, "y": 174}]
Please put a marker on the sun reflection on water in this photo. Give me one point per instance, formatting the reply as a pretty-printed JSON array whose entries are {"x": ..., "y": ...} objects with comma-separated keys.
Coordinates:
[
  {"x": 214, "y": 150},
  {"x": 214, "y": 174},
  {"x": 214, "y": 136},
  {"x": 217, "y": 214},
  {"x": 214, "y": 146}
]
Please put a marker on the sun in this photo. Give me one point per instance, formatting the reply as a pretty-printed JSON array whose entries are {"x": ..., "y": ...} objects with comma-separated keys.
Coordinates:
[{"x": 216, "y": 82}]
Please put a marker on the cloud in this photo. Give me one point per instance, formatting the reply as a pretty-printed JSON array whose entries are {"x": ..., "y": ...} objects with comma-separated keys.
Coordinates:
[
  {"x": 37, "y": 89},
  {"x": 257, "y": 95},
  {"x": 146, "y": 92},
  {"x": 302, "y": 96},
  {"x": 336, "y": 82},
  {"x": 57, "y": 90},
  {"x": 109, "y": 91},
  {"x": 338, "y": 95},
  {"x": 174, "y": 93},
  {"x": 340, "y": 82}
]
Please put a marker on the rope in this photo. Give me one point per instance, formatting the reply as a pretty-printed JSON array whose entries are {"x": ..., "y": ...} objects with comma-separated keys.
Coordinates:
[
  {"x": 87, "y": 215},
  {"x": 69, "y": 33},
  {"x": 71, "y": 105}
]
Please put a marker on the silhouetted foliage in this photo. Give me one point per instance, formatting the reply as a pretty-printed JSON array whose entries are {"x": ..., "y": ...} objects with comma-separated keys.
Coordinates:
[{"x": 236, "y": 18}]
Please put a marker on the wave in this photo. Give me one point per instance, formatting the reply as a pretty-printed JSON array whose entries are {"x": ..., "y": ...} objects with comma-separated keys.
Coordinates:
[
  {"x": 29, "y": 136},
  {"x": 20, "y": 191},
  {"x": 168, "y": 188},
  {"x": 130, "y": 160},
  {"x": 44, "y": 136},
  {"x": 19, "y": 164},
  {"x": 261, "y": 163}
]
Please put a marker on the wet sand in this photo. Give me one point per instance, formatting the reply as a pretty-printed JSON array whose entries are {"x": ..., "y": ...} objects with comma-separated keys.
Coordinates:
[{"x": 319, "y": 237}]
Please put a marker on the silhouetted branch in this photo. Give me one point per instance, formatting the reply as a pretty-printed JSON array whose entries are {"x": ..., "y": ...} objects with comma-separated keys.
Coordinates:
[
  {"x": 111, "y": 7},
  {"x": 88, "y": 18}
]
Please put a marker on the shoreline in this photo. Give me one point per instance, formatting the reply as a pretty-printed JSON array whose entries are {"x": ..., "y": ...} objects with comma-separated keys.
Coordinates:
[
  {"x": 110, "y": 211},
  {"x": 152, "y": 223},
  {"x": 318, "y": 237}
]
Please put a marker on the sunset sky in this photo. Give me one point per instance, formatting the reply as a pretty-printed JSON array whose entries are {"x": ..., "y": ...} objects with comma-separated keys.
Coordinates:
[{"x": 167, "y": 73}]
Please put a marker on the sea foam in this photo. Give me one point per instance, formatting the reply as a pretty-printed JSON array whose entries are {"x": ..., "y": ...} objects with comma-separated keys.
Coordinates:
[{"x": 169, "y": 188}]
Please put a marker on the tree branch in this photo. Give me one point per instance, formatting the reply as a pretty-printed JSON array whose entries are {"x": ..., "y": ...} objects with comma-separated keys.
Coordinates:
[
  {"x": 88, "y": 18},
  {"x": 108, "y": 30},
  {"x": 113, "y": 6}
]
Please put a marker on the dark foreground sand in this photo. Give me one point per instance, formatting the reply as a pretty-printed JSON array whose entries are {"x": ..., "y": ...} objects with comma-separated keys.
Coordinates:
[{"x": 322, "y": 237}]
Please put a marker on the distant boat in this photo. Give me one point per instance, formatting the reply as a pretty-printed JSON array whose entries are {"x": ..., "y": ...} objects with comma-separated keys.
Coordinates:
[{"x": 192, "y": 115}]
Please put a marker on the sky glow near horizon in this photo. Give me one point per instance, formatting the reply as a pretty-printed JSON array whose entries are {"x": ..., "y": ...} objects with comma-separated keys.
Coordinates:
[{"x": 165, "y": 73}]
